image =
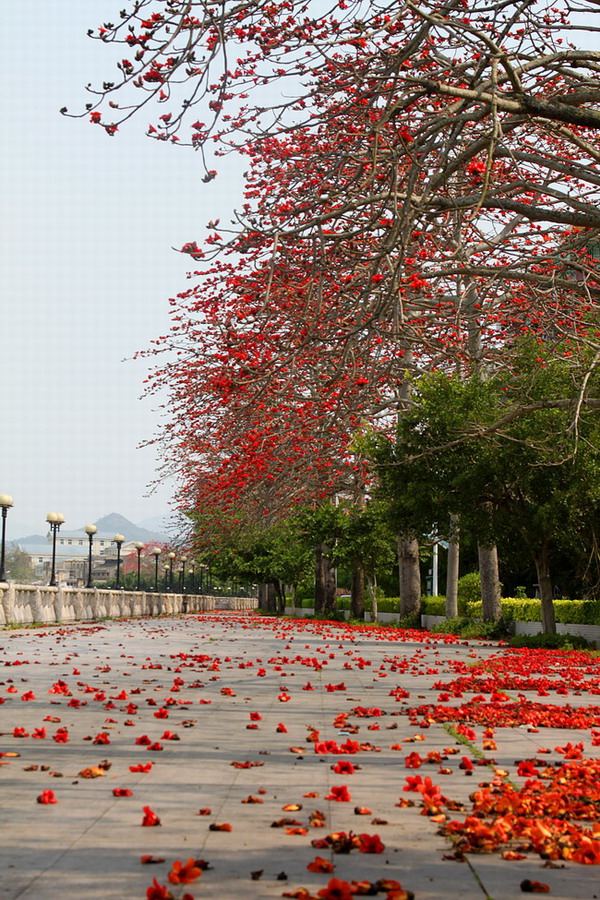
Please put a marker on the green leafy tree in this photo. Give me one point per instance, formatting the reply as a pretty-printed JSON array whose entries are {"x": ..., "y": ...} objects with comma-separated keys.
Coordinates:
[
  {"x": 19, "y": 566},
  {"x": 515, "y": 452},
  {"x": 368, "y": 546}
]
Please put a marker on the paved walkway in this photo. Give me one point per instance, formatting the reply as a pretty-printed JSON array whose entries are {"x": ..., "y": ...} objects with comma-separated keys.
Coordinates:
[{"x": 227, "y": 700}]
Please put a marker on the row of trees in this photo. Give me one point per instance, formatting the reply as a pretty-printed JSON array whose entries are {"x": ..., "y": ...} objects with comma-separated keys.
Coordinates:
[{"x": 420, "y": 225}]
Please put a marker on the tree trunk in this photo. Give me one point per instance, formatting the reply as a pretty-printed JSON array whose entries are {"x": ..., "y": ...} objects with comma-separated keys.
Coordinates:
[
  {"x": 490, "y": 583},
  {"x": 357, "y": 590},
  {"x": 542, "y": 565},
  {"x": 410, "y": 574},
  {"x": 372, "y": 585},
  {"x": 324, "y": 582},
  {"x": 280, "y": 595},
  {"x": 453, "y": 568},
  {"x": 267, "y": 598}
]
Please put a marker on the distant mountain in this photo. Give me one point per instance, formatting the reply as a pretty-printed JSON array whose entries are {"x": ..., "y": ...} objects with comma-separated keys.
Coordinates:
[
  {"x": 31, "y": 539},
  {"x": 117, "y": 523},
  {"x": 165, "y": 524}
]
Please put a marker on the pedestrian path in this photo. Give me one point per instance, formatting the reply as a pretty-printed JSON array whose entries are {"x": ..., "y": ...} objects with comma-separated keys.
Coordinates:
[{"x": 241, "y": 741}]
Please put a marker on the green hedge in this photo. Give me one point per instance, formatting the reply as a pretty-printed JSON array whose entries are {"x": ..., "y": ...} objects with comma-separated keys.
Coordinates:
[
  {"x": 573, "y": 612},
  {"x": 433, "y": 606}
]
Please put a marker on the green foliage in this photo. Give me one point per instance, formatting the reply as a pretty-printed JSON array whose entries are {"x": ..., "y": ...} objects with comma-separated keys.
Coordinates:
[
  {"x": 433, "y": 606},
  {"x": 18, "y": 565},
  {"x": 504, "y": 455},
  {"x": 573, "y": 612},
  {"x": 469, "y": 628},
  {"x": 469, "y": 588},
  {"x": 550, "y": 641},
  {"x": 412, "y": 620}
]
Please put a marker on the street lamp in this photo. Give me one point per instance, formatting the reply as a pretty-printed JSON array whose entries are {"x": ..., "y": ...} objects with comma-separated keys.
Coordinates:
[
  {"x": 182, "y": 581},
  {"x": 193, "y": 573},
  {"x": 138, "y": 547},
  {"x": 90, "y": 530},
  {"x": 166, "y": 578},
  {"x": 171, "y": 557},
  {"x": 118, "y": 540},
  {"x": 54, "y": 520},
  {"x": 156, "y": 551},
  {"x": 6, "y": 501}
]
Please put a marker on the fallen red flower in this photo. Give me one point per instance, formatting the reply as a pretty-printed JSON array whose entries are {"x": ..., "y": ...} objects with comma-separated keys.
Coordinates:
[
  {"x": 339, "y": 793},
  {"x": 344, "y": 767},
  {"x": 184, "y": 873},
  {"x": 158, "y": 891},
  {"x": 534, "y": 887},
  {"x": 47, "y": 797},
  {"x": 370, "y": 843},
  {"x": 320, "y": 864},
  {"x": 336, "y": 890},
  {"x": 150, "y": 818}
]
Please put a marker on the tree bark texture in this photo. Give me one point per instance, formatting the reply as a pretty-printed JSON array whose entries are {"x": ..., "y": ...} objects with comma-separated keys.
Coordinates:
[
  {"x": 324, "y": 581},
  {"x": 490, "y": 583},
  {"x": 542, "y": 565},
  {"x": 267, "y": 599},
  {"x": 410, "y": 574},
  {"x": 357, "y": 590},
  {"x": 453, "y": 568}
]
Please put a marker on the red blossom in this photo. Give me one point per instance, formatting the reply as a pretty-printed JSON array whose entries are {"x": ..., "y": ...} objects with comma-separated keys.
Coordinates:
[{"x": 150, "y": 819}]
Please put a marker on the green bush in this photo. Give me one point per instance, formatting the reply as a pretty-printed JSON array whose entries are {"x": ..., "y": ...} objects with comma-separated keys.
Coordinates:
[
  {"x": 469, "y": 588},
  {"x": 433, "y": 606},
  {"x": 412, "y": 620},
  {"x": 550, "y": 641},
  {"x": 384, "y": 604},
  {"x": 470, "y": 628},
  {"x": 453, "y": 625},
  {"x": 577, "y": 612},
  {"x": 568, "y": 612}
]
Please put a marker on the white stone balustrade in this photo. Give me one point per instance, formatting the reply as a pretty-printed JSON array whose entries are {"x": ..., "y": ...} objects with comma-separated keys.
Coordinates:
[{"x": 22, "y": 604}]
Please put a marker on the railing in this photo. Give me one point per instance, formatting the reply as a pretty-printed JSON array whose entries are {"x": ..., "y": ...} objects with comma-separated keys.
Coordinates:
[{"x": 22, "y": 604}]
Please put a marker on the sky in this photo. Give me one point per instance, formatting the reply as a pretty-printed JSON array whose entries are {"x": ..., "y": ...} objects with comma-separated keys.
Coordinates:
[{"x": 89, "y": 223}]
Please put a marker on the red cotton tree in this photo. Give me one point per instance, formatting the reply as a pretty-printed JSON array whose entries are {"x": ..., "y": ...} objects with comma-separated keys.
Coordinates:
[{"x": 422, "y": 189}]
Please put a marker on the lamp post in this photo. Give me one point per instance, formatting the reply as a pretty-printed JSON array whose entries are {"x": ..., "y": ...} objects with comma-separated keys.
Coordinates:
[
  {"x": 90, "y": 530},
  {"x": 118, "y": 540},
  {"x": 166, "y": 578},
  {"x": 203, "y": 578},
  {"x": 6, "y": 501},
  {"x": 156, "y": 551},
  {"x": 182, "y": 576},
  {"x": 54, "y": 520},
  {"x": 138, "y": 549},
  {"x": 193, "y": 574},
  {"x": 171, "y": 557}
]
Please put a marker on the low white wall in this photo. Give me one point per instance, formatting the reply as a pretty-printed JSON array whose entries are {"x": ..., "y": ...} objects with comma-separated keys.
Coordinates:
[
  {"x": 589, "y": 632},
  {"x": 23, "y": 604}
]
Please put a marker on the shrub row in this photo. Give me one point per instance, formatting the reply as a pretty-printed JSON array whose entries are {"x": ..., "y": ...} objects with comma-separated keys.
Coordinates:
[{"x": 575, "y": 612}]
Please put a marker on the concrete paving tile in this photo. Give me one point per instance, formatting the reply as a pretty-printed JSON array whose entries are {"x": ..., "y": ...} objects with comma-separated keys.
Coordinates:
[{"x": 90, "y": 843}]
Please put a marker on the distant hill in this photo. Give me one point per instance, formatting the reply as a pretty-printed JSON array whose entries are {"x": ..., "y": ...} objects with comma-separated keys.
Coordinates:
[
  {"x": 31, "y": 539},
  {"x": 165, "y": 524},
  {"x": 112, "y": 524},
  {"x": 116, "y": 523}
]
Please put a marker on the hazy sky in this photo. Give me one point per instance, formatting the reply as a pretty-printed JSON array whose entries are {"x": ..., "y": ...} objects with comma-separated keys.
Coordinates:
[{"x": 87, "y": 266}]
